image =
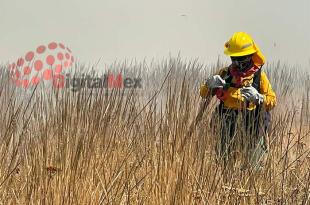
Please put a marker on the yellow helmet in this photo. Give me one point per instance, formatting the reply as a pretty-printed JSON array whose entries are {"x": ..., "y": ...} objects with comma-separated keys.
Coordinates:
[{"x": 242, "y": 44}]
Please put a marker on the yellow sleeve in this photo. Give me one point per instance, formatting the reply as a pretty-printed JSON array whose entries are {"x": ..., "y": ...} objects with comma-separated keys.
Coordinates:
[
  {"x": 270, "y": 99},
  {"x": 204, "y": 90}
]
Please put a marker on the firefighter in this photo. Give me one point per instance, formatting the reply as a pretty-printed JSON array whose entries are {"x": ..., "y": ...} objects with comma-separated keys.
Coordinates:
[{"x": 245, "y": 95}]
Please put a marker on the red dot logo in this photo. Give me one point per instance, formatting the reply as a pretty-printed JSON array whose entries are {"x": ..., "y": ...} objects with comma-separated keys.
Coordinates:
[
  {"x": 44, "y": 63},
  {"x": 41, "y": 49},
  {"x": 58, "y": 81},
  {"x": 38, "y": 65},
  {"x": 50, "y": 60},
  {"x": 27, "y": 70},
  {"x": 29, "y": 56},
  {"x": 47, "y": 74},
  {"x": 58, "y": 68},
  {"x": 52, "y": 45},
  {"x": 60, "y": 56},
  {"x": 62, "y": 46},
  {"x": 20, "y": 62},
  {"x": 35, "y": 80}
]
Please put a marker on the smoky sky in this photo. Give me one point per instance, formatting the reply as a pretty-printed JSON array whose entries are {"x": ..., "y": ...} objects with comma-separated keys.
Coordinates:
[{"x": 138, "y": 29}]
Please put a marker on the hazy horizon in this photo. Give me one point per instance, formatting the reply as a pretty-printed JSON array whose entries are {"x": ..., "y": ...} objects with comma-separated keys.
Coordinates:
[{"x": 117, "y": 30}]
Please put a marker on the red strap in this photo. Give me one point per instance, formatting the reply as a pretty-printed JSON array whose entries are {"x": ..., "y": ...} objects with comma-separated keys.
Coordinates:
[{"x": 239, "y": 75}]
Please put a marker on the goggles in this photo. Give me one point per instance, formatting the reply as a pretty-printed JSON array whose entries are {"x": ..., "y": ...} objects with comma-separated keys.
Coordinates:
[{"x": 242, "y": 62}]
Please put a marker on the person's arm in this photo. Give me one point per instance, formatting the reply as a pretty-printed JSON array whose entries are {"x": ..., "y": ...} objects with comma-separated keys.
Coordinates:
[
  {"x": 266, "y": 90},
  {"x": 204, "y": 91}
]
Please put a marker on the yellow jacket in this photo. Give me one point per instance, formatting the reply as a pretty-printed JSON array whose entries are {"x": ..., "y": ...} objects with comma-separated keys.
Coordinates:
[{"x": 232, "y": 98}]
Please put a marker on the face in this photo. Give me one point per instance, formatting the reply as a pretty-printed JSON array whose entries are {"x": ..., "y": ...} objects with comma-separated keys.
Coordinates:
[{"x": 242, "y": 62}]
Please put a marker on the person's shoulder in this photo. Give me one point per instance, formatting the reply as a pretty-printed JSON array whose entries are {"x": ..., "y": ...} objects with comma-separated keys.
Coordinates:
[
  {"x": 262, "y": 72},
  {"x": 263, "y": 75}
]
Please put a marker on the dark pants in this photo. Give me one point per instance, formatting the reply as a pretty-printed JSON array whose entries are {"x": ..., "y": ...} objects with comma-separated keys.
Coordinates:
[{"x": 242, "y": 132}]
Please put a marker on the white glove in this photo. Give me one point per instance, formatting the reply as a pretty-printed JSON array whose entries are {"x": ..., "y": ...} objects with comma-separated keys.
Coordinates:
[
  {"x": 250, "y": 94},
  {"x": 215, "y": 82}
]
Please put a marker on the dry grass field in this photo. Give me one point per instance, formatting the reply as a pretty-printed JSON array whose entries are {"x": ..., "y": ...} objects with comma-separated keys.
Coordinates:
[{"x": 126, "y": 146}]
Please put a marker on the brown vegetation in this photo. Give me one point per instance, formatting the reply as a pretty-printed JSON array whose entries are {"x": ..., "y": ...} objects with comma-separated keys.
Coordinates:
[{"x": 124, "y": 147}]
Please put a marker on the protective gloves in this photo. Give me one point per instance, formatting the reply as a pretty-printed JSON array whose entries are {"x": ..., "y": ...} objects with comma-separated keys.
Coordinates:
[
  {"x": 215, "y": 82},
  {"x": 250, "y": 94}
]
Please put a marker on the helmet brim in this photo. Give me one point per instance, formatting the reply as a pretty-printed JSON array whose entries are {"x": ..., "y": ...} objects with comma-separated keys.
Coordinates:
[{"x": 236, "y": 54}]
